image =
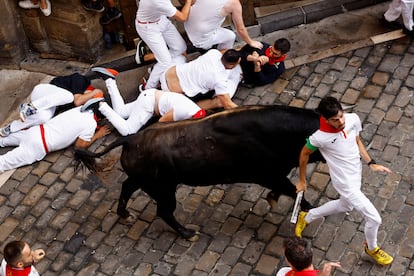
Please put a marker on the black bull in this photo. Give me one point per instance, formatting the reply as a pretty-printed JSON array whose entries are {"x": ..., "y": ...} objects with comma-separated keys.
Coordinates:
[{"x": 250, "y": 144}]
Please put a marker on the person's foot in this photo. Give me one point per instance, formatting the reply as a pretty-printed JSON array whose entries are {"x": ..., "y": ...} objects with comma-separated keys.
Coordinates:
[
  {"x": 5, "y": 131},
  {"x": 379, "y": 255},
  {"x": 300, "y": 224},
  {"x": 141, "y": 51},
  {"x": 105, "y": 73},
  {"x": 48, "y": 9},
  {"x": 27, "y": 4},
  {"x": 92, "y": 104},
  {"x": 141, "y": 87},
  {"x": 111, "y": 15},
  {"x": 95, "y": 6},
  {"x": 26, "y": 110},
  {"x": 408, "y": 32},
  {"x": 246, "y": 85},
  {"x": 390, "y": 24}
]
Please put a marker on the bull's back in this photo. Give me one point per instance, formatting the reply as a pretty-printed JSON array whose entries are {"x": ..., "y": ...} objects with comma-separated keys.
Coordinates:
[{"x": 240, "y": 145}]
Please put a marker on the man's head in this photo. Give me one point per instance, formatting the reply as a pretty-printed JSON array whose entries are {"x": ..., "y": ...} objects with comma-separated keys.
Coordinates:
[
  {"x": 18, "y": 254},
  {"x": 331, "y": 110},
  {"x": 231, "y": 58},
  {"x": 280, "y": 47},
  {"x": 298, "y": 253}
]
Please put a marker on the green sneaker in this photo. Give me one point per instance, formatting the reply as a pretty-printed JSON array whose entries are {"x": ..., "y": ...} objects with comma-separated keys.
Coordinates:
[
  {"x": 300, "y": 224},
  {"x": 379, "y": 255}
]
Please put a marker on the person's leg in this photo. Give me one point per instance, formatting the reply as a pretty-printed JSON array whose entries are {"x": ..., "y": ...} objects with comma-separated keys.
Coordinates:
[
  {"x": 29, "y": 4},
  {"x": 224, "y": 38},
  {"x": 44, "y": 98},
  {"x": 118, "y": 103},
  {"x": 394, "y": 11},
  {"x": 372, "y": 218},
  {"x": 112, "y": 14},
  {"x": 153, "y": 37},
  {"x": 174, "y": 40},
  {"x": 142, "y": 111},
  {"x": 29, "y": 151},
  {"x": 407, "y": 13},
  {"x": 46, "y": 7}
]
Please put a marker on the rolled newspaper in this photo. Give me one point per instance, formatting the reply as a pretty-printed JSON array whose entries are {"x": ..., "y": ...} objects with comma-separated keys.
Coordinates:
[{"x": 296, "y": 207}]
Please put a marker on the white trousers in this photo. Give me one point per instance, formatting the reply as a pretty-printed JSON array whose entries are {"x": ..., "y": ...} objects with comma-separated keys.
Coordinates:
[
  {"x": 353, "y": 198},
  {"x": 224, "y": 38},
  {"x": 165, "y": 42},
  {"x": 128, "y": 118},
  {"x": 45, "y": 97},
  {"x": 402, "y": 8},
  {"x": 29, "y": 149}
]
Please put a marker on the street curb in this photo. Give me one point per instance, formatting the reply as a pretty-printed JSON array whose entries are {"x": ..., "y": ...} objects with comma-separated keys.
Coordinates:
[
  {"x": 341, "y": 49},
  {"x": 308, "y": 13}
]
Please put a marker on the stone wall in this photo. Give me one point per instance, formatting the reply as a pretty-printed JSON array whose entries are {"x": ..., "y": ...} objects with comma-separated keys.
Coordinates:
[
  {"x": 69, "y": 32},
  {"x": 13, "y": 42}
]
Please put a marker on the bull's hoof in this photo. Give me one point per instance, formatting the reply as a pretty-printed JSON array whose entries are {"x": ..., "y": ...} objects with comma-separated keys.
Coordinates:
[
  {"x": 188, "y": 234},
  {"x": 129, "y": 220}
]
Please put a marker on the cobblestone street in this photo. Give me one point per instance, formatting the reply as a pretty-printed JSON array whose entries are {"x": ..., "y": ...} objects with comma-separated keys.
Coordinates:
[{"x": 71, "y": 213}]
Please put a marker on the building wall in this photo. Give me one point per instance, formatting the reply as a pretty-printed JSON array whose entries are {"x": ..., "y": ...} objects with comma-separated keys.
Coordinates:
[{"x": 69, "y": 32}]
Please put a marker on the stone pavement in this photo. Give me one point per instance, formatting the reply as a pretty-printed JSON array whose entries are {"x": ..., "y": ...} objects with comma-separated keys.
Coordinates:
[{"x": 69, "y": 213}]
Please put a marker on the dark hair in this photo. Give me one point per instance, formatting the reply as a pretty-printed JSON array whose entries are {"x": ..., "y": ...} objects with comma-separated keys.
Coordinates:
[
  {"x": 298, "y": 253},
  {"x": 282, "y": 44},
  {"x": 328, "y": 107},
  {"x": 231, "y": 56},
  {"x": 13, "y": 252}
]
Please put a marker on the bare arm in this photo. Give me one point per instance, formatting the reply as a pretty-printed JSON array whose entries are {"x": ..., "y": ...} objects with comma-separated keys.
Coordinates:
[
  {"x": 365, "y": 156},
  {"x": 80, "y": 99},
  {"x": 217, "y": 102},
  {"x": 103, "y": 131},
  {"x": 237, "y": 18},
  {"x": 184, "y": 13},
  {"x": 303, "y": 162}
]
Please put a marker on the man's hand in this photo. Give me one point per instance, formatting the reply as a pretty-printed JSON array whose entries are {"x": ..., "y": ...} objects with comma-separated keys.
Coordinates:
[
  {"x": 379, "y": 168},
  {"x": 256, "y": 44},
  {"x": 328, "y": 267},
  {"x": 103, "y": 131},
  {"x": 38, "y": 254},
  {"x": 301, "y": 186},
  {"x": 263, "y": 60}
]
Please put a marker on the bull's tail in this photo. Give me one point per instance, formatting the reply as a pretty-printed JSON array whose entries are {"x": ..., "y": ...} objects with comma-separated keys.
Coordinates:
[{"x": 87, "y": 157}]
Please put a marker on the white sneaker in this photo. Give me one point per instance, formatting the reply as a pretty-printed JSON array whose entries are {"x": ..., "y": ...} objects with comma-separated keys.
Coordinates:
[
  {"x": 27, "y": 4},
  {"x": 48, "y": 9}
]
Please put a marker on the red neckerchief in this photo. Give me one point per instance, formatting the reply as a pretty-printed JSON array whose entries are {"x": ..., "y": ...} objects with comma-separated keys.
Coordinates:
[
  {"x": 90, "y": 87},
  {"x": 303, "y": 273},
  {"x": 273, "y": 60},
  {"x": 98, "y": 127},
  {"x": 325, "y": 127},
  {"x": 11, "y": 271}
]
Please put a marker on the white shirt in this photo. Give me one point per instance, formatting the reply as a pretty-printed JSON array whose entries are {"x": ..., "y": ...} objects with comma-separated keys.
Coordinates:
[
  {"x": 78, "y": 125},
  {"x": 204, "y": 20},
  {"x": 151, "y": 11},
  {"x": 206, "y": 73},
  {"x": 341, "y": 151},
  {"x": 33, "y": 271}
]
